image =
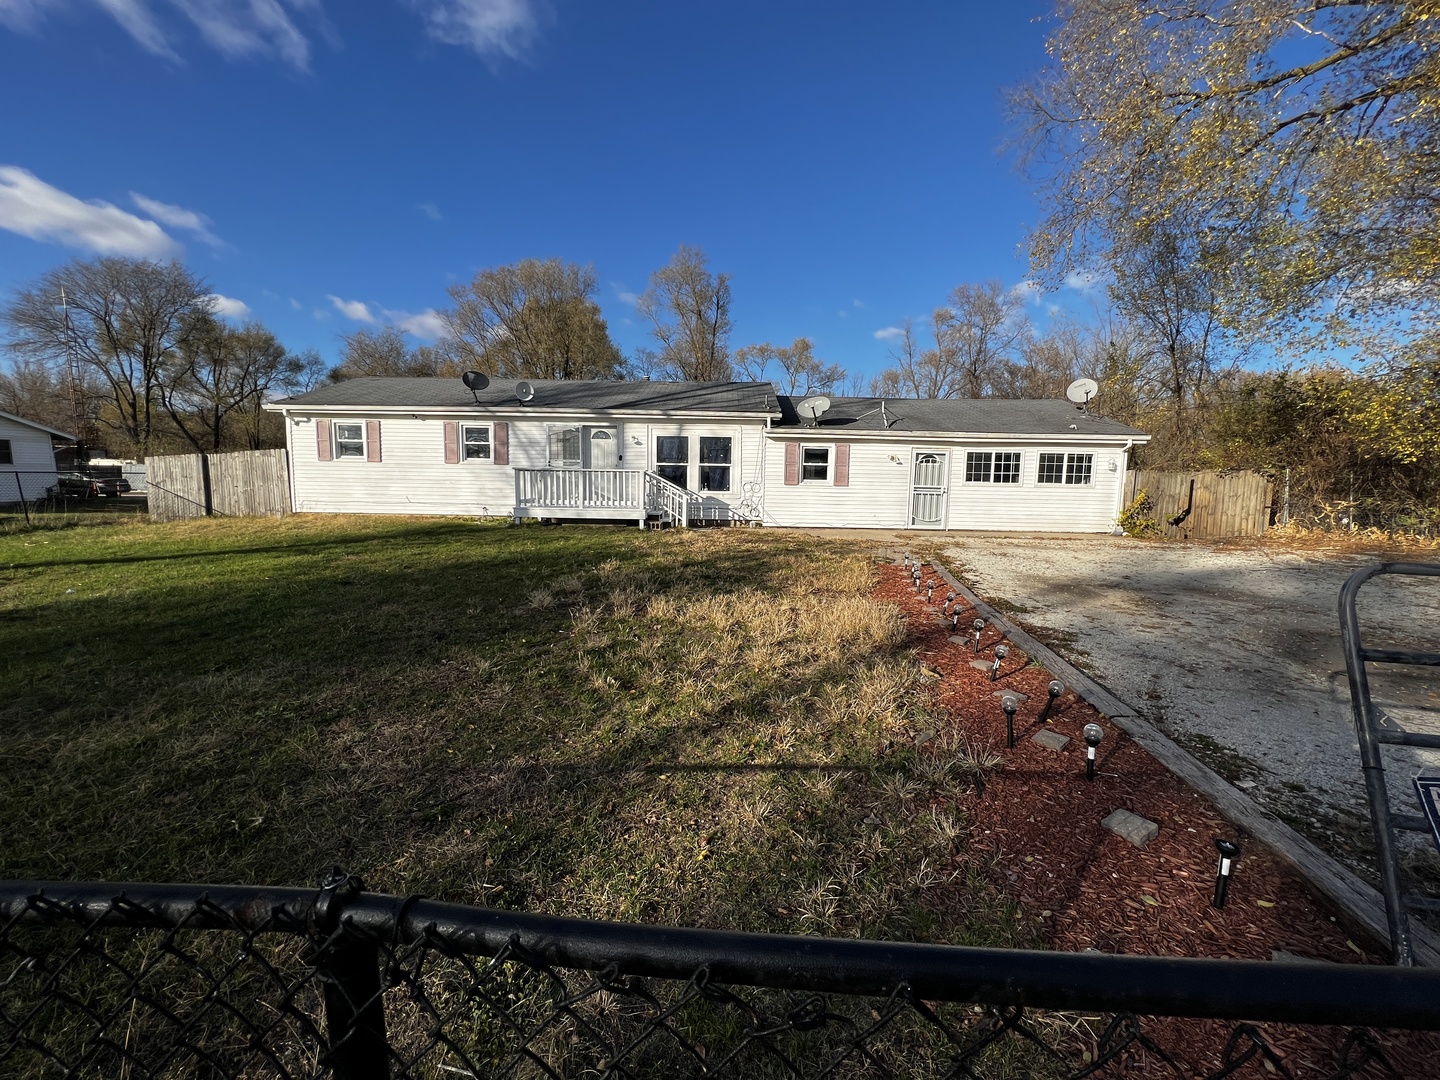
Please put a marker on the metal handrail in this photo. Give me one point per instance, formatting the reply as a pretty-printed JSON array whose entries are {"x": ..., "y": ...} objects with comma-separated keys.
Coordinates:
[
  {"x": 1371, "y": 736},
  {"x": 1341, "y": 994}
]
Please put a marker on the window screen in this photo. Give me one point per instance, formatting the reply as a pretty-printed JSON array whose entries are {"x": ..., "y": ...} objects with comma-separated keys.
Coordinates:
[
  {"x": 477, "y": 444},
  {"x": 349, "y": 440},
  {"x": 815, "y": 463}
]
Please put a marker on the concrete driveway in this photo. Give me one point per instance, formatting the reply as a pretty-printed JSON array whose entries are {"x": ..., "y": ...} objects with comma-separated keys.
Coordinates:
[{"x": 1235, "y": 653}]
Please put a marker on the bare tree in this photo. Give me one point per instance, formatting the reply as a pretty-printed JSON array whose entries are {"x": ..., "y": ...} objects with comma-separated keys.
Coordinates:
[
  {"x": 800, "y": 372},
  {"x": 975, "y": 336},
  {"x": 124, "y": 320},
  {"x": 689, "y": 312},
  {"x": 386, "y": 352},
  {"x": 536, "y": 319},
  {"x": 223, "y": 376}
]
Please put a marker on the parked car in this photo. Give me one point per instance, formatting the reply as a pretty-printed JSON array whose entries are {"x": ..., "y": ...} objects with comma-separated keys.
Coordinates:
[{"x": 74, "y": 485}]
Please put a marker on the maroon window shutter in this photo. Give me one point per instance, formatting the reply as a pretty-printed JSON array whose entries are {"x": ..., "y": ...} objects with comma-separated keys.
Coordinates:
[
  {"x": 792, "y": 464},
  {"x": 452, "y": 443},
  {"x": 372, "y": 440},
  {"x": 502, "y": 443},
  {"x": 842, "y": 464},
  {"x": 323, "y": 449}
]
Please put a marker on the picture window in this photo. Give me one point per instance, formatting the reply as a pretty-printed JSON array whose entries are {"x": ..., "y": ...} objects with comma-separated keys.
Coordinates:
[{"x": 564, "y": 445}]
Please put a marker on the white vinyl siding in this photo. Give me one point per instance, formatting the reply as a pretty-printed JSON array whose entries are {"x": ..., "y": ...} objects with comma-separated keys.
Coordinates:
[
  {"x": 878, "y": 495},
  {"x": 31, "y": 456}
]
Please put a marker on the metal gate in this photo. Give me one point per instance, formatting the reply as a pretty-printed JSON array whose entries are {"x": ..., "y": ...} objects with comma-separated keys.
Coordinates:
[{"x": 928, "y": 489}]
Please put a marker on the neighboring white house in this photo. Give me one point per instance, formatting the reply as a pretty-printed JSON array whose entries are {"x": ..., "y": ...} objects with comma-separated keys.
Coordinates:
[
  {"x": 27, "y": 457},
  {"x": 701, "y": 451}
]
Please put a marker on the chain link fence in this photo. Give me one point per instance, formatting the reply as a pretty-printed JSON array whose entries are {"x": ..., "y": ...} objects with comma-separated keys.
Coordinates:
[
  {"x": 213, "y": 981},
  {"x": 53, "y": 498}
]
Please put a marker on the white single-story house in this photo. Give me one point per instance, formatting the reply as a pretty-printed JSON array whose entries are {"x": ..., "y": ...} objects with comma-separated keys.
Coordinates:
[
  {"x": 689, "y": 452},
  {"x": 27, "y": 457}
]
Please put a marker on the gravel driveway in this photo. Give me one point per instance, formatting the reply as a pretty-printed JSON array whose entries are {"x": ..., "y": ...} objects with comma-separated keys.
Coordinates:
[{"x": 1235, "y": 653}]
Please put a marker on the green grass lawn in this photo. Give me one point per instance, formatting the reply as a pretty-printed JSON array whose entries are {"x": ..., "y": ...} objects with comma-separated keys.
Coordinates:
[{"x": 706, "y": 728}]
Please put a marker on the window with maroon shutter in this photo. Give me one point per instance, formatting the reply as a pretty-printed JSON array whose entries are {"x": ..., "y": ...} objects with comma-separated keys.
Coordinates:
[
  {"x": 322, "y": 440},
  {"x": 792, "y": 464},
  {"x": 842, "y": 464},
  {"x": 501, "y": 436},
  {"x": 452, "y": 443}
]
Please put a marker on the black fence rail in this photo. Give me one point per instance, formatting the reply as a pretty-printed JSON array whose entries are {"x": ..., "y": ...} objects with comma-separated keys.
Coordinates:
[{"x": 217, "y": 981}]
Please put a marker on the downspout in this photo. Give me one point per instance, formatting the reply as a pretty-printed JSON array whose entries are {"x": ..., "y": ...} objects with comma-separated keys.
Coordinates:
[{"x": 1124, "y": 469}]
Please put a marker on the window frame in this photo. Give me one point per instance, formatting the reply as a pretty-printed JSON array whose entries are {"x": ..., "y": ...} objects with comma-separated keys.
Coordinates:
[
  {"x": 336, "y": 441},
  {"x": 489, "y": 443},
  {"x": 551, "y": 430},
  {"x": 702, "y": 466},
  {"x": 660, "y": 465},
  {"x": 828, "y": 449},
  {"x": 1068, "y": 464},
  {"x": 7, "y": 452}
]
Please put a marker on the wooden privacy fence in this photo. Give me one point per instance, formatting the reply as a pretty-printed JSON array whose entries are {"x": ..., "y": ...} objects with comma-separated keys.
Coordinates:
[
  {"x": 245, "y": 484},
  {"x": 1208, "y": 505}
]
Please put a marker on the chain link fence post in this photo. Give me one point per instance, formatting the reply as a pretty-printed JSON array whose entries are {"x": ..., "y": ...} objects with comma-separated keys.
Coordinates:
[{"x": 348, "y": 966}]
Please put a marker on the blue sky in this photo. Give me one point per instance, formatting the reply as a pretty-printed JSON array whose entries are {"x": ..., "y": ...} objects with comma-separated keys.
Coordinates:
[{"x": 325, "y": 164}]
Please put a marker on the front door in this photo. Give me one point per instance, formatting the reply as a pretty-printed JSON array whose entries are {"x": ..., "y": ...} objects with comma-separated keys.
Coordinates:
[
  {"x": 928, "y": 489},
  {"x": 604, "y": 452}
]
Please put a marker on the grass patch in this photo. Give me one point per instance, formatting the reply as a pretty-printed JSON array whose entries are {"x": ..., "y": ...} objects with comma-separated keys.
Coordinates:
[{"x": 700, "y": 728}]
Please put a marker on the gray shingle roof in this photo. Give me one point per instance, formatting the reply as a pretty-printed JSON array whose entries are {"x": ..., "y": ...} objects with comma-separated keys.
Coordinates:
[
  {"x": 976, "y": 416},
  {"x": 550, "y": 394}
]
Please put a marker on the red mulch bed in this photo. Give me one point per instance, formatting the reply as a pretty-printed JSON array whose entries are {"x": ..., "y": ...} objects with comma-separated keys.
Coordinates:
[{"x": 1087, "y": 888}]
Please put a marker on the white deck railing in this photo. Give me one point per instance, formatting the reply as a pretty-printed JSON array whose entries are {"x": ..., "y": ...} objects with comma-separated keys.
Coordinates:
[
  {"x": 664, "y": 498},
  {"x": 621, "y": 490}
]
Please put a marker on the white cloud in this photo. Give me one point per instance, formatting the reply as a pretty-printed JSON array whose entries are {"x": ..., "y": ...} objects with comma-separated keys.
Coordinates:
[
  {"x": 427, "y": 325},
  {"x": 430, "y": 210},
  {"x": 624, "y": 295},
  {"x": 33, "y": 208},
  {"x": 245, "y": 28},
  {"x": 492, "y": 28},
  {"x": 321, "y": 314},
  {"x": 295, "y": 303},
  {"x": 1085, "y": 282},
  {"x": 352, "y": 309},
  {"x": 889, "y": 333},
  {"x": 135, "y": 18},
  {"x": 177, "y": 217},
  {"x": 228, "y": 306},
  {"x": 858, "y": 304},
  {"x": 1027, "y": 292},
  {"x": 237, "y": 28}
]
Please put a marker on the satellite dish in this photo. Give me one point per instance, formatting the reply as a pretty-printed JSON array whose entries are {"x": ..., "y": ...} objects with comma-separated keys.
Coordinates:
[
  {"x": 1082, "y": 391},
  {"x": 812, "y": 407},
  {"x": 524, "y": 391},
  {"x": 474, "y": 381}
]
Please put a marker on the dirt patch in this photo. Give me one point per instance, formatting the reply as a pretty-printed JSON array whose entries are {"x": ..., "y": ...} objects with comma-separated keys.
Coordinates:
[
  {"x": 1234, "y": 651},
  {"x": 1038, "y": 819}
]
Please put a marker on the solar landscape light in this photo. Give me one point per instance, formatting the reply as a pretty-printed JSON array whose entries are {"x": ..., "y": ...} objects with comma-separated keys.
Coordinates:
[
  {"x": 949, "y": 599},
  {"x": 929, "y": 590},
  {"x": 1010, "y": 703},
  {"x": 907, "y": 558},
  {"x": 979, "y": 626},
  {"x": 955, "y": 618},
  {"x": 1055, "y": 689},
  {"x": 1093, "y": 733},
  {"x": 1228, "y": 851},
  {"x": 1001, "y": 651}
]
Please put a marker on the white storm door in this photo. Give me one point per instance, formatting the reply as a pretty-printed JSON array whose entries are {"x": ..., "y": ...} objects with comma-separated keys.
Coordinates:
[
  {"x": 929, "y": 478},
  {"x": 604, "y": 452}
]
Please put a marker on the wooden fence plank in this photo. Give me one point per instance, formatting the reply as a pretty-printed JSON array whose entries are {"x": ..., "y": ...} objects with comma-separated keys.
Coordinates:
[
  {"x": 244, "y": 484},
  {"x": 1221, "y": 505}
]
